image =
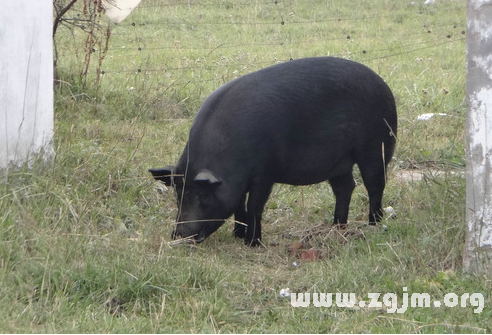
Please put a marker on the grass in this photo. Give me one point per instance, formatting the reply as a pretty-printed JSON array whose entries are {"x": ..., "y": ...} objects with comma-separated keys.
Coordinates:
[{"x": 84, "y": 243}]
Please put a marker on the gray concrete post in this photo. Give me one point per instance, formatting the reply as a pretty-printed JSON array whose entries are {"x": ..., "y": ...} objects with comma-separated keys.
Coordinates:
[
  {"x": 26, "y": 81},
  {"x": 477, "y": 257}
]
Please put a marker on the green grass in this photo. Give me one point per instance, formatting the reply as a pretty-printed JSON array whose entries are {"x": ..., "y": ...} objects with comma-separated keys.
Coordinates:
[{"x": 84, "y": 243}]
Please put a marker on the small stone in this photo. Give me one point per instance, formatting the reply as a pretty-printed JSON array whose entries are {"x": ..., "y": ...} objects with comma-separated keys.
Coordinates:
[{"x": 285, "y": 293}]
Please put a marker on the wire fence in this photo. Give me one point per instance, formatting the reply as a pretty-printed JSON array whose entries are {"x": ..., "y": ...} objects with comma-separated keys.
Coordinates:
[{"x": 194, "y": 42}]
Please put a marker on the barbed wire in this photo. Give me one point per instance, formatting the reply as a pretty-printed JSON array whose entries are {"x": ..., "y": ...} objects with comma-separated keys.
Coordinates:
[
  {"x": 444, "y": 32},
  {"x": 404, "y": 49},
  {"x": 187, "y": 3},
  {"x": 441, "y": 32},
  {"x": 443, "y": 37},
  {"x": 152, "y": 4}
]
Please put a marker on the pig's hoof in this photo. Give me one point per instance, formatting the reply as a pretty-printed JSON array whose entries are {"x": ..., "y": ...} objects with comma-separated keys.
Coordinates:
[
  {"x": 340, "y": 225},
  {"x": 253, "y": 243}
]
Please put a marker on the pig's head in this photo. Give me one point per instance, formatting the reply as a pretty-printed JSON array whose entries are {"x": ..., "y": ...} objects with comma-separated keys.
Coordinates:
[{"x": 202, "y": 203}]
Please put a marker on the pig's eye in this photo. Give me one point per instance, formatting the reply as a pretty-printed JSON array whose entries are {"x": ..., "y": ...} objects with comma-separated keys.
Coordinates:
[{"x": 204, "y": 198}]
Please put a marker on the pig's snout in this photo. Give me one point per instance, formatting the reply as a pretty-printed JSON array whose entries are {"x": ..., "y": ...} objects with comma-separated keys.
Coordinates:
[
  {"x": 196, "y": 231},
  {"x": 175, "y": 235},
  {"x": 178, "y": 234}
]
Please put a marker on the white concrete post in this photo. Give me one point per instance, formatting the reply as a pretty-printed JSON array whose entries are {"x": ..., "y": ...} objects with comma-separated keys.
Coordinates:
[
  {"x": 477, "y": 257},
  {"x": 26, "y": 81}
]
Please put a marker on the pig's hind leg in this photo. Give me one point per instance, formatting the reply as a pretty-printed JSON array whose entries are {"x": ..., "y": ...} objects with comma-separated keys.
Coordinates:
[
  {"x": 373, "y": 172},
  {"x": 342, "y": 187}
]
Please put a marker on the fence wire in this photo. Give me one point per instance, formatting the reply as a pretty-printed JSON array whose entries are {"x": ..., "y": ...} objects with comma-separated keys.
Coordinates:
[{"x": 194, "y": 42}]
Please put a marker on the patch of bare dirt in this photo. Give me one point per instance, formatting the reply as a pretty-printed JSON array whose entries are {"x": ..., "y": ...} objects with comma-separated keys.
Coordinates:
[{"x": 413, "y": 175}]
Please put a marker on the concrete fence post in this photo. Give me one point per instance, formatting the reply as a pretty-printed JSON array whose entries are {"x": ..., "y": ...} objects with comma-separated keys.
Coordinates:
[
  {"x": 477, "y": 257},
  {"x": 26, "y": 81}
]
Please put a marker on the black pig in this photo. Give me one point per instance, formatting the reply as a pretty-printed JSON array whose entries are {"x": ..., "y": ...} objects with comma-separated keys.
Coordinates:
[{"x": 300, "y": 122}]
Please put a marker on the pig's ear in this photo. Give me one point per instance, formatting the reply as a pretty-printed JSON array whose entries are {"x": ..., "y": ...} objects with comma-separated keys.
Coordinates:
[
  {"x": 166, "y": 174},
  {"x": 205, "y": 177}
]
